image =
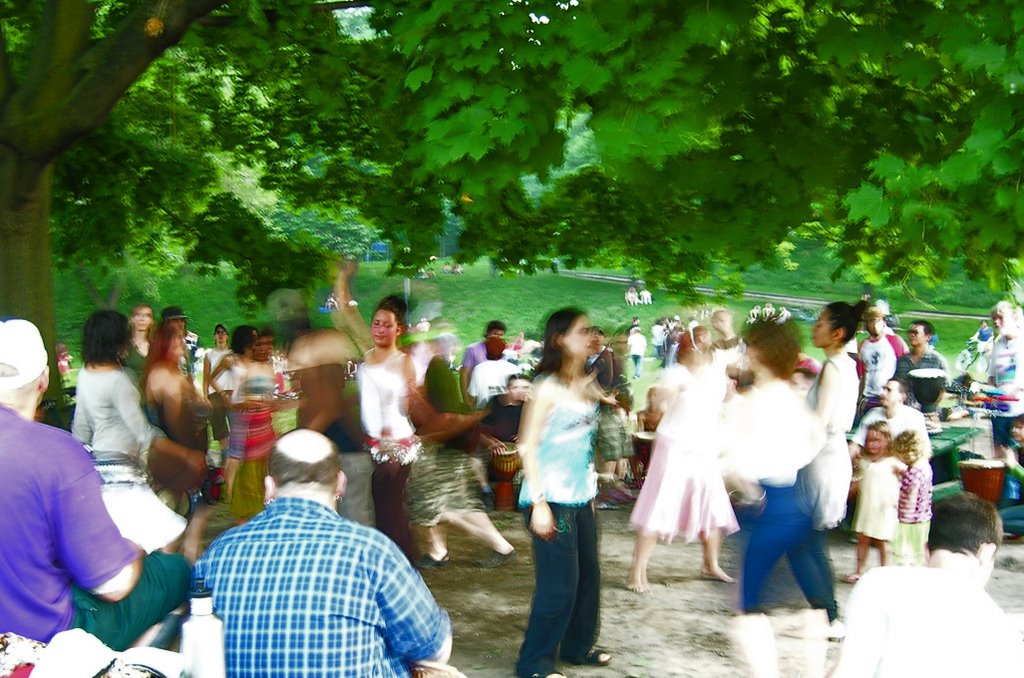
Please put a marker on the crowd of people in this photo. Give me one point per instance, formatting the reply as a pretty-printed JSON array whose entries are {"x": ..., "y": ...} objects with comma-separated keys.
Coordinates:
[{"x": 335, "y": 517}]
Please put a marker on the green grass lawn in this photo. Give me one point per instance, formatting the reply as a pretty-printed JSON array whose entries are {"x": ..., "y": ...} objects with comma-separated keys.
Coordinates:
[{"x": 466, "y": 303}]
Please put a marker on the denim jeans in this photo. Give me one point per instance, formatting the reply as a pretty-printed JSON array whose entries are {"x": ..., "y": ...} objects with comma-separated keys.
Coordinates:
[
  {"x": 566, "y": 601},
  {"x": 784, "y": 529}
]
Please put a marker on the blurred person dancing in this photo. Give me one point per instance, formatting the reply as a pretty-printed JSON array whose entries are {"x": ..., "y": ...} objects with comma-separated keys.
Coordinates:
[
  {"x": 683, "y": 494},
  {"x": 442, "y": 489},
  {"x": 252, "y": 423},
  {"x": 556, "y": 445},
  {"x": 181, "y": 413},
  {"x": 773, "y": 435}
]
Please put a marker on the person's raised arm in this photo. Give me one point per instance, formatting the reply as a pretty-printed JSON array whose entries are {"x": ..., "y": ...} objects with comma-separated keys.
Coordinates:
[{"x": 347, "y": 318}]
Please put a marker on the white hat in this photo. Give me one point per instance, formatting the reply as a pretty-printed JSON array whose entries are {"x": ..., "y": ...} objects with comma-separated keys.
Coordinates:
[{"x": 22, "y": 354}]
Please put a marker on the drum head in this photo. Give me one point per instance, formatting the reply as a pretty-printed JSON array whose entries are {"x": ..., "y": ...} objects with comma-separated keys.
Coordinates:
[{"x": 928, "y": 373}]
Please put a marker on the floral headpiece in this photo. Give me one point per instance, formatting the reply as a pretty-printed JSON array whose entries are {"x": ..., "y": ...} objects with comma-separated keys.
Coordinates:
[{"x": 768, "y": 314}]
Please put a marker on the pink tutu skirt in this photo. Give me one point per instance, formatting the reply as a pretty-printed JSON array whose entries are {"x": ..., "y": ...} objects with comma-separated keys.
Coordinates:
[{"x": 683, "y": 495}]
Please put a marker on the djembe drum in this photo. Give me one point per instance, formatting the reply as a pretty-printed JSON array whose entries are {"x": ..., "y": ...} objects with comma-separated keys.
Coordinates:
[
  {"x": 505, "y": 465},
  {"x": 641, "y": 459},
  {"x": 983, "y": 477},
  {"x": 928, "y": 385}
]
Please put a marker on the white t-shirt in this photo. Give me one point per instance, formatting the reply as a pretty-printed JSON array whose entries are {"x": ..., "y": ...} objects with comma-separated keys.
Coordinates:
[
  {"x": 925, "y": 621},
  {"x": 658, "y": 335},
  {"x": 490, "y": 378},
  {"x": 906, "y": 419},
  {"x": 1006, "y": 366},
  {"x": 879, "y": 360},
  {"x": 637, "y": 344}
]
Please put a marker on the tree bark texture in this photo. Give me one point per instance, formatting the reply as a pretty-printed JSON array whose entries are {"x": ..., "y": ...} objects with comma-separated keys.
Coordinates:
[{"x": 26, "y": 276}]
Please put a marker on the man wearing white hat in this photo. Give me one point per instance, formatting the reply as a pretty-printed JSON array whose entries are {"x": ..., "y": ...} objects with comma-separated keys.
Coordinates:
[{"x": 63, "y": 564}]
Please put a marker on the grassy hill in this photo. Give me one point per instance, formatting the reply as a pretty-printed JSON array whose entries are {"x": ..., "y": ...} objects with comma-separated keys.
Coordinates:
[{"x": 467, "y": 302}]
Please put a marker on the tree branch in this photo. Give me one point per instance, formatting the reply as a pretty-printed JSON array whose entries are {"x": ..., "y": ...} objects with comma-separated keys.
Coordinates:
[
  {"x": 63, "y": 37},
  {"x": 104, "y": 73}
]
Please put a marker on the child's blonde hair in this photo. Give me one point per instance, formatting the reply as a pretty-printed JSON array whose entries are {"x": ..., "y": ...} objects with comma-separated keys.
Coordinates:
[
  {"x": 882, "y": 428},
  {"x": 907, "y": 447}
]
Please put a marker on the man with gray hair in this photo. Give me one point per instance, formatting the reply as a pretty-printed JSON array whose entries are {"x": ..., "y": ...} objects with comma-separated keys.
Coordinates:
[
  {"x": 63, "y": 562},
  {"x": 303, "y": 591}
]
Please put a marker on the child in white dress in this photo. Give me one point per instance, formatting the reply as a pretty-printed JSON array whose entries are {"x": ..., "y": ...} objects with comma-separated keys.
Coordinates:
[{"x": 875, "y": 519}]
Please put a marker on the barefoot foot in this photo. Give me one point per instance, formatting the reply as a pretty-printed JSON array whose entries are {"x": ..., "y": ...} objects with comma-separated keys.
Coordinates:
[{"x": 716, "y": 573}]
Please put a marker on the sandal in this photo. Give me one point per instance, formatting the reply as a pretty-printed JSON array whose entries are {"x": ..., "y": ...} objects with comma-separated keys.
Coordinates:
[
  {"x": 596, "y": 657},
  {"x": 426, "y": 562}
]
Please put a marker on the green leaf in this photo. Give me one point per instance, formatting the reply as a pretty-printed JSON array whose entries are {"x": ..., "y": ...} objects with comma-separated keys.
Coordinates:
[
  {"x": 418, "y": 76},
  {"x": 868, "y": 202}
]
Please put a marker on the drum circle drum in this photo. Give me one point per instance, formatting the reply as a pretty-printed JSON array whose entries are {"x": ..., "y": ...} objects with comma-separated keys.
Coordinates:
[
  {"x": 505, "y": 466},
  {"x": 928, "y": 385},
  {"x": 983, "y": 477}
]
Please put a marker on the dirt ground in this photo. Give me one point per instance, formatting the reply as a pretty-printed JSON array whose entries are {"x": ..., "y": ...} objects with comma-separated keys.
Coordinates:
[{"x": 679, "y": 629}]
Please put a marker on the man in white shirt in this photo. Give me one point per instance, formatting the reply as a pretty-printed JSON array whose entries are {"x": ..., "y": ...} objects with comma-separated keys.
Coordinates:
[
  {"x": 637, "y": 349},
  {"x": 490, "y": 378},
  {"x": 877, "y": 357},
  {"x": 901, "y": 417},
  {"x": 898, "y": 619}
]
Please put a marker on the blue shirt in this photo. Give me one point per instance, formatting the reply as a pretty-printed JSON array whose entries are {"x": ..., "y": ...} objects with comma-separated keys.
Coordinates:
[
  {"x": 305, "y": 592},
  {"x": 565, "y": 454}
]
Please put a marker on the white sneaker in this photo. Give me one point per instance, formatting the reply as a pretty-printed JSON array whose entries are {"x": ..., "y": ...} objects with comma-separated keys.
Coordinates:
[{"x": 836, "y": 630}]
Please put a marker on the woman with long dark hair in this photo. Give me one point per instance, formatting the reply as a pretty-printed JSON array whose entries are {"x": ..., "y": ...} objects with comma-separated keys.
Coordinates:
[
  {"x": 109, "y": 419},
  {"x": 141, "y": 322},
  {"x": 825, "y": 482},
  {"x": 556, "y": 445},
  {"x": 387, "y": 377}
]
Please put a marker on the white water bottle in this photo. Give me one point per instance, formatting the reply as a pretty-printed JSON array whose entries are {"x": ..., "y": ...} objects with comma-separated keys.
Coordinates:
[{"x": 202, "y": 637}]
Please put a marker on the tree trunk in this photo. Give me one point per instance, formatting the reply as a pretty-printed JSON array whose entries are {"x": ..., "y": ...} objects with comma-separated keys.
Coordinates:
[{"x": 26, "y": 276}]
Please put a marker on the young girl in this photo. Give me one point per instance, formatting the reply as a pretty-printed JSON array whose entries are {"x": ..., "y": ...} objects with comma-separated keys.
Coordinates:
[
  {"x": 909, "y": 543},
  {"x": 875, "y": 519}
]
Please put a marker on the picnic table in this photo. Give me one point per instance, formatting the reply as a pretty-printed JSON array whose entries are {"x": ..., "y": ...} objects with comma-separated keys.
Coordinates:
[{"x": 946, "y": 458}]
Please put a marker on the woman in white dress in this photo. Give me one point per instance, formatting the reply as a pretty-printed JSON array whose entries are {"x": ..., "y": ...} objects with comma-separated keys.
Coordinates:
[
  {"x": 825, "y": 482},
  {"x": 683, "y": 494}
]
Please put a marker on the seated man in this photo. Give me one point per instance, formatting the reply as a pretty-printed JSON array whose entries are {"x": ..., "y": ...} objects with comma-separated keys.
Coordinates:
[
  {"x": 303, "y": 591},
  {"x": 901, "y": 417},
  {"x": 489, "y": 377},
  {"x": 63, "y": 563},
  {"x": 897, "y": 617}
]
